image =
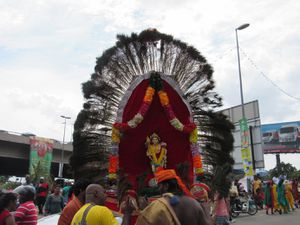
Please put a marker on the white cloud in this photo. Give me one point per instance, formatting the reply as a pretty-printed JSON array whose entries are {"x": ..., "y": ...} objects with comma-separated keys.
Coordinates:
[{"x": 48, "y": 48}]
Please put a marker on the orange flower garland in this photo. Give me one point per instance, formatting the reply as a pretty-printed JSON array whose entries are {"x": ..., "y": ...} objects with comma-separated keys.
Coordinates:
[
  {"x": 163, "y": 97},
  {"x": 189, "y": 128},
  {"x": 149, "y": 94}
]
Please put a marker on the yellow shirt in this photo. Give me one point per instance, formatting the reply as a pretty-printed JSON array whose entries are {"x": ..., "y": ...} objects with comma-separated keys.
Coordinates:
[
  {"x": 98, "y": 215},
  {"x": 256, "y": 185}
]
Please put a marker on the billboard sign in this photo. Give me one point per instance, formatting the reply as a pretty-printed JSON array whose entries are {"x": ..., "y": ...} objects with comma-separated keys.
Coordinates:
[
  {"x": 281, "y": 137},
  {"x": 254, "y": 131},
  {"x": 245, "y": 148},
  {"x": 40, "y": 156}
]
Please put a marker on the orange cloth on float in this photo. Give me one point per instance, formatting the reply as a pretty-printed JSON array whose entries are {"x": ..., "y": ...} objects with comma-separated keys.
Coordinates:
[
  {"x": 69, "y": 211},
  {"x": 163, "y": 175}
]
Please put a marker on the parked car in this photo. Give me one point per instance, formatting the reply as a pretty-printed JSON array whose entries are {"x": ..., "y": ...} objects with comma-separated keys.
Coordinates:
[{"x": 49, "y": 220}]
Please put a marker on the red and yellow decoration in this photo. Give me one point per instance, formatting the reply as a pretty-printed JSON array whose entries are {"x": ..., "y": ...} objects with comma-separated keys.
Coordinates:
[{"x": 155, "y": 85}]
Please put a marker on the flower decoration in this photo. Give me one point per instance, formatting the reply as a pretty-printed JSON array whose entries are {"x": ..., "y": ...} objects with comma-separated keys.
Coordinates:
[{"x": 155, "y": 85}]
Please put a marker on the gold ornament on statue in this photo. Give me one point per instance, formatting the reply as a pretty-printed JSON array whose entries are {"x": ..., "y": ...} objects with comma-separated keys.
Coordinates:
[{"x": 157, "y": 152}]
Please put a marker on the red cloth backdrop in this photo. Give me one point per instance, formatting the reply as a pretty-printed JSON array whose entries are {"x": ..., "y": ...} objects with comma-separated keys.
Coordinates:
[{"x": 132, "y": 149}]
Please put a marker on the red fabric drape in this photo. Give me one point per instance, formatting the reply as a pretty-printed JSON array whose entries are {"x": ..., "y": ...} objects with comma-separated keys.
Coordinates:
[{"x": 132, "y": 150}]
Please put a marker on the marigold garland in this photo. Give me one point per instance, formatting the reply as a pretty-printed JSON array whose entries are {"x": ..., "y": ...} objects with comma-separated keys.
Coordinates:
[
  {"x": 113, "y": 163},
  {"x": 189, "y": 128},
  {"x": 149, "y": 94},
  {"x": 197, "y": 162},
  {"x": 163, "y": 97},
  {"x": 115, "y": 135}
]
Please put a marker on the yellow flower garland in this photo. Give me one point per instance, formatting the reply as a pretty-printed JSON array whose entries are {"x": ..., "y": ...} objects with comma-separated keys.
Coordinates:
[
  {"x": 194, "y": 136},
  {"x": 115, "y": 135}
]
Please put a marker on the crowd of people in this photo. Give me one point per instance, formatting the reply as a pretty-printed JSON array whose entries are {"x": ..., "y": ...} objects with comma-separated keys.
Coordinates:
[
  {"x": 276, "y": 195},
  {"x": 85, "y": 203}
]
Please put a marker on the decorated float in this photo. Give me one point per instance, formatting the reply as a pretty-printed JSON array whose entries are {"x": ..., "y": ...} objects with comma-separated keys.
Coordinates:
[{"x": 150, "y": 106}]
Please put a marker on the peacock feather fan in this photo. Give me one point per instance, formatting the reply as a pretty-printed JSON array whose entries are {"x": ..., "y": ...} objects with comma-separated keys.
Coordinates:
[{"x": 133, "y": 56}]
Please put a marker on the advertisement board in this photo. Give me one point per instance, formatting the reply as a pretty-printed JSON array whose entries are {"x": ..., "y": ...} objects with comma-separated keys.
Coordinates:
[
  {"x": 254, "y": 125},
  {"x": 40, "y": 156},
  {"x": 245, "y": 148},
  {"x": 281, "y": 137}
]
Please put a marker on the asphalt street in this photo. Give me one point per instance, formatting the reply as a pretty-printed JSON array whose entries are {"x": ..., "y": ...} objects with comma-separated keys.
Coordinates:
[{"x": 261, "y": 218}]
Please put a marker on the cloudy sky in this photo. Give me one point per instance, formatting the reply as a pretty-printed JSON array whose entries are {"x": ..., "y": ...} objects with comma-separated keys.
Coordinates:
[{"x": 48, "y": 48}]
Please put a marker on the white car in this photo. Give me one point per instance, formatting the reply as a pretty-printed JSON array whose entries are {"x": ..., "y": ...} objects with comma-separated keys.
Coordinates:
[
  {"x": 53, "y": 220},
  {"x": 49, "y": 220}
]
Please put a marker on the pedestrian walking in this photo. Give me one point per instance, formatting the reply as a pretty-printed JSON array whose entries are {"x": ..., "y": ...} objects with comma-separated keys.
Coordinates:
[
  {"x": 281, "y": 196},
  {"x": 269, "y": 198},
  {"x": 54, "y": 203},
  {"x": 221, "y": 210},
  {"x": 42, "y": 193}
]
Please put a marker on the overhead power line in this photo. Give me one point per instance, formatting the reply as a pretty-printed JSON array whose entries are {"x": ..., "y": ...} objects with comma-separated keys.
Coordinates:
[{"x": 267, "y": 78}]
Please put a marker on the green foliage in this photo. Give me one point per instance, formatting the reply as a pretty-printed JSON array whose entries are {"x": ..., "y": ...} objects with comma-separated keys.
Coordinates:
[
  {"x": 3, "y": 179},
  {"x": 9, "y": 185},
  {"x": 286, "y": 169}
]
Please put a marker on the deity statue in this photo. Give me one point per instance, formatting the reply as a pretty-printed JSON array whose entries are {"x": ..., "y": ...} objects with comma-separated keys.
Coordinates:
[{"x": 157, "y": 152}]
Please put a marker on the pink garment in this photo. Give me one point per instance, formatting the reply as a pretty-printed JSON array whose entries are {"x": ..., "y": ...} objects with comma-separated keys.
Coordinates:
[{"x": 221, "y": 206}]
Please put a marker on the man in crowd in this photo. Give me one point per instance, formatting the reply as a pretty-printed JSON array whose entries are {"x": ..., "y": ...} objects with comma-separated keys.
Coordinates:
[
  {"x": 172, "y": 207},
  {"x": 94, "y": 212},
  {"x": 26, "y": 213},
  {"x": 42, "y": 192},
  {"x": 76, "y": 203}
]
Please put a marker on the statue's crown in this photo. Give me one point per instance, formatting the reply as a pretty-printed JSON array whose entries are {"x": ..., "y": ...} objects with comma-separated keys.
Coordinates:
[{"x": 154, "y": 135}]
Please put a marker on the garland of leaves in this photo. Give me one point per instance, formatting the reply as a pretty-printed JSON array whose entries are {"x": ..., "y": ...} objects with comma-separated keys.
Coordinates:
[{"x": 155, "y": 84}]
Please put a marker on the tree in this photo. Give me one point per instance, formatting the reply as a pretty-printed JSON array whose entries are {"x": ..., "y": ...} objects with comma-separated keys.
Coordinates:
[{"x": 286, "y": 169}]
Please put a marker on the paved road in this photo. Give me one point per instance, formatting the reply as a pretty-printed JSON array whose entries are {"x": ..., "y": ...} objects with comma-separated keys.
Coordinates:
[{"x": 262, "y": 219}]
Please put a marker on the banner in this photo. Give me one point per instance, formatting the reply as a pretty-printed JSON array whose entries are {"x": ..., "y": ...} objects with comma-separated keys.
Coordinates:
[
  {"x": 40, "y": 156},
  {"x": 281, "y": 137},
  {"x": 245, "y": 148}
]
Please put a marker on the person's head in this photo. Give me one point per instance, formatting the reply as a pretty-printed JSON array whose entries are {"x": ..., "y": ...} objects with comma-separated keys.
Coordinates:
[
  {"x": 56, "y": 190},
  {"x": 130, "y": 195},
  {"x": 27, "y": 178},
  {"x": 155, "y": 139},
  {"x": 169, "y": 186},
  {"x": 8, "y": 201},
  {"x": 26, "y": 193},
  {"x": 199, "y": 193},
  {"x": 95, "y": 193},
  {"x": 42, "y": 180},
  {"x": 168, "y": 181},
  {"x": 79, "y": 188}
]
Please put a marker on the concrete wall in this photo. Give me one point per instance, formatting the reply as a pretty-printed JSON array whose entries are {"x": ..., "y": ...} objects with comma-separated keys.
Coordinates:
[{"x": 14, "y": 154}]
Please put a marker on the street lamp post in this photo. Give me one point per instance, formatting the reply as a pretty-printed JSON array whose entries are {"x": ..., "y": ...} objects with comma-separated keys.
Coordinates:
[
  {"x": 243, "y": 122},
  {"x": 239, "y": 64},
  {"x": 61, "y": 165}
]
